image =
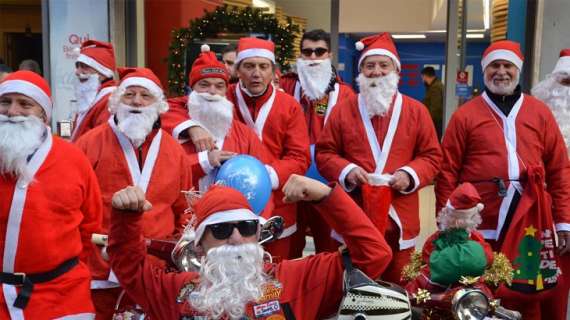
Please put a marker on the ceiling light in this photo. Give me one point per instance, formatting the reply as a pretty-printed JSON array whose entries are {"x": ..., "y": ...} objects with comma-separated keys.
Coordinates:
[
  {"x": 409, "y": 36},
  {"x": 475, "y": 36}
]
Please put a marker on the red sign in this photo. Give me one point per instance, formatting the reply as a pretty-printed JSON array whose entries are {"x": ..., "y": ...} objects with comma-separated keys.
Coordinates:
[{"x": 462, "y": 77}]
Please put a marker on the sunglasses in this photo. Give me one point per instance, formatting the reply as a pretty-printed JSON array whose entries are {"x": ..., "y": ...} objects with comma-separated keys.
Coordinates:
[
  {"x": 318, "y": 51},
  {"x": 224, "y": 230}
]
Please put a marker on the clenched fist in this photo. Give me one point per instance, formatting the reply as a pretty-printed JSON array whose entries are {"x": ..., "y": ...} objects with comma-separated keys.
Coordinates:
[{"x": 130, "y": 198}]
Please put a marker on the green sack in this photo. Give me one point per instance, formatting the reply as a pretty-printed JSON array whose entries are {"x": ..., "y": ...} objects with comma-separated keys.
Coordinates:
[{"x": 456, "y": 255}]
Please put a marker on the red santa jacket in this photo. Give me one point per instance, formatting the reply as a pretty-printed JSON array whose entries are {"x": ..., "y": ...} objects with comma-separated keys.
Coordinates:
[
  {"x": 347, "y": 141},
  {"x": 315, "y": 117},
  {"x": 481, "y": 143},
  {"x": 278, "y": 120},
  {"x": 312, "y": 286},
  {"x": 166, "y": 172},
  {"x": 98, "y": 112},
  {"x": 45, "y": 223},
  {"x": 240, "y": 139}
]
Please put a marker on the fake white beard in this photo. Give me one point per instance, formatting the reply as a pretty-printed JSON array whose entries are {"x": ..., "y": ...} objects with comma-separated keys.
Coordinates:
[
  {"x": 557, "y": 97},
  {"x": 85, "y": 92},
  {"x": 502, "y": 89},
  {"x": 214, "y": 112},
  {"x": 231, "y": 276},
  {"x": 19, "y": 137},
  {"x": 136, "y": 123},
  {"x": 468, "y": 219},
  {"x": 314, "y": 76},
  {"x": 378, "y": 92}
]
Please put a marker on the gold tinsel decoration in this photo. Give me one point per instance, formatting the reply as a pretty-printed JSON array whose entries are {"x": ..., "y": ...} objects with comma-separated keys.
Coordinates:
[
  {"x": 468, "y": 280},
  {"x": 412, "y": 269},
  {"x": 501, "y": 271},
  {"x": 422, "y": 296}
]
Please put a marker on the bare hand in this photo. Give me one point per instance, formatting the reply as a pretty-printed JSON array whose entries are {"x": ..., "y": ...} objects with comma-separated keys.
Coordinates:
[
  {"x": 563, "y": 242},
  {"x": 301, "y": 188},
  {"x": 356, "y": 177},
  {"x": 201, "y": 139},
  {"x": 217, "y": 157},
  {"x": 400, "y": 181},
  {"x": 130, "y": 198}
]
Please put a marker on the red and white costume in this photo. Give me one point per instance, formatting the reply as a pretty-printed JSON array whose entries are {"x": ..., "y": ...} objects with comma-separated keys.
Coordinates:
[
  {"x": 99, "y": 56},
  {"x": 49, "y": 221},
  {"x": 310, "y": 288}
]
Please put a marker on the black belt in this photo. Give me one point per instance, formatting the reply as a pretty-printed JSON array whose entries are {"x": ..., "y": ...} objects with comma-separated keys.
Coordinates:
[{"x": 27, "y": 281}]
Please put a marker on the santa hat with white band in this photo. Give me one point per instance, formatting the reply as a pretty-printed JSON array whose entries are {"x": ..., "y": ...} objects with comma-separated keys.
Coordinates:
[
  {"x": 141, "y": 77},
  {"x": 563, "y": 64},
  {"x": 503, "y": 50},
  {"x": 220, "y": 204},
  {"x": 380, "y": 44},
  {"x": 465, "y": 198},
  {"x": 31, "y": 85},
  {"x": 255, "y": 47},
  {"x": 98, "y": 55}
]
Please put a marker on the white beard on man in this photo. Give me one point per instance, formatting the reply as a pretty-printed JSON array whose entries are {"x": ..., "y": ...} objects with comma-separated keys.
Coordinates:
[
  {"x": 378, "y": 92},
  {"x": 20, "y": 136},
  {"x": 557, "y": 97},
  {"x": 86, "y": 87},
  {"x": 231, "y": 276},
  {"x": 214, "y": 112},
  {"x": 502, "y": 85},
  {"x": 136, "y": 123},
  {"x": 314, "y": 76}
]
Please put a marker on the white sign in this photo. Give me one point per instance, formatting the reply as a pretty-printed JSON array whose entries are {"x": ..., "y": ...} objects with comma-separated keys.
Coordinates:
[{"x": 70, "y": 23}]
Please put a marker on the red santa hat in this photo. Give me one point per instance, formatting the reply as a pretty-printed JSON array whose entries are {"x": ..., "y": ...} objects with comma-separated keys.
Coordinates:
[
  {"x": 141, "y": 77},
  {"x": 380, "y": 44},
  {"x": 563, "y": 64},
  {"x": 255, "y": 47},
  {"x": 29, "y": 84},
  {"x": 220, "y": 204},
  {"x": 207, "y": 66},
  {"x": 465, "y": 197},
  {"x": 503, "y": 50},
  {"x": 99, "y": 56}
]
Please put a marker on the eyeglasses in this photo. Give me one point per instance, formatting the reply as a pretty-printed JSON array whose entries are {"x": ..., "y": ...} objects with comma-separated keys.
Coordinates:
[
  {"x": 318, "y": 51},
  {"x": 224, "y": 230}
]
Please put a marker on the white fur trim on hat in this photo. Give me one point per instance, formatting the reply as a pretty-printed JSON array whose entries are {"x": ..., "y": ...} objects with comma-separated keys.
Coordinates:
[
  {"x": 204, "y": 48},
  {"x": 28, "y": 89},
  {"x": 256, "y": 52},
  {"x": 563, "y": 65},
  {"x": 501, "y": 54},
  {"x": 223, "y": 216},
  {"x": 142, "y": 82},
  {"x": 379, "y": 52},
  {"x": 95, "y": 65},
  {"x": 479, "y": 207}
]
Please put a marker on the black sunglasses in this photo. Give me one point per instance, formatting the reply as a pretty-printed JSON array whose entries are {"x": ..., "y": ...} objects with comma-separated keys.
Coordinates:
[
  {"x": 318, "y": 51},
  {"x": 224, "y": 230}
]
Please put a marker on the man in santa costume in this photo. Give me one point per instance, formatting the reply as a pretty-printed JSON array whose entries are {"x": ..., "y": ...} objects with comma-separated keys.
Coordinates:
[
  {"x": 384, "y": 133},
  {"x": 50, "y": 204},
  {"x": 208, "y": 107},
  {"x": 235, "y": 278},
  {"x": 317, "y": 88},
  {"x": 277, "y": 120},
  {"x": 94, "y": 83},
  {"x": 131, "y": 149},
  {"x": 554, "y": 90},
  {"x": 492, "y": 141}
]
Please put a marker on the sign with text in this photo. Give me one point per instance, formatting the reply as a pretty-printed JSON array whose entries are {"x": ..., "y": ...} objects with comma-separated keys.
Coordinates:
[{"x": 70, "y": 23}]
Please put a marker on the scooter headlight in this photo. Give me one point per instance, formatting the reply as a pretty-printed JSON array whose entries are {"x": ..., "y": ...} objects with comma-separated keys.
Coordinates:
[{"x": 470, "y": 304}]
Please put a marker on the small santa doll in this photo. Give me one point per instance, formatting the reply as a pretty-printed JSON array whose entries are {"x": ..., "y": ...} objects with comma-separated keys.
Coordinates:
[{"x": 457, "y": 250}]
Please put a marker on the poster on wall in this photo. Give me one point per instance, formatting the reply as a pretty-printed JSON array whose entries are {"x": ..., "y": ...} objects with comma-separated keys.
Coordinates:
[{"x": 70, "y": 23}]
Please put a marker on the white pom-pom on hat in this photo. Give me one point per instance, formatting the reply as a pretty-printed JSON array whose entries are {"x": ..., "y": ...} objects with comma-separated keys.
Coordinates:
[
  {"x": 77, "y": 50},
  {"x": 205, "y": 48},
  {"x": 480, "y": 207},
  {"x": 359, "y": 45}
]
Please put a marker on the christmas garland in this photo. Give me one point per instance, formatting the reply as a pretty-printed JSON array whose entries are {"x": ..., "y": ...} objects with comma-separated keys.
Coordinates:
[{"x": 227, "y": 19}]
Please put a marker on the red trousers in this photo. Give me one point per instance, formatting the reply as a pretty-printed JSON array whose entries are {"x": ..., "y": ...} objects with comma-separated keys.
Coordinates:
[
  {"x": 552, "y": 307},
  {"x": 309, "y": 219},
  {"x": 105, "y": 301},
  {"x": 400, "y": 258}
]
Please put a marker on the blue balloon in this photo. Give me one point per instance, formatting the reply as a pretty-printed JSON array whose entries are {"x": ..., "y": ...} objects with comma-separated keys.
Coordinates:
[
  {"x": 313, "y": 172},
  {"x": 249, "y": 176}
]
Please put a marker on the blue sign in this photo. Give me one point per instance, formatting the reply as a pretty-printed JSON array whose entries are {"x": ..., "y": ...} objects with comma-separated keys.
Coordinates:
[{"x": 462, "y": 90}]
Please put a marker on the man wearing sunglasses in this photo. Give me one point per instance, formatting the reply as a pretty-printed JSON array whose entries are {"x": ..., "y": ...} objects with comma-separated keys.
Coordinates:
[
  {"x": 382, "y": 133},
  {"x": 317, "y": 88},
  {"x": 236, "y": 279}
]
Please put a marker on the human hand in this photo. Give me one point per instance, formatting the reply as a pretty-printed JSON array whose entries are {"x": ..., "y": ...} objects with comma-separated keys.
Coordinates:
[
  {"x": 301, "y": 188},
  {"x": 217, "y": 157},
  {"x": 130, "y": 198},
  {"x": 400, "y": 180},
  {"x": 201, "y": 139},
  {"x": 356, "y": 177}
]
